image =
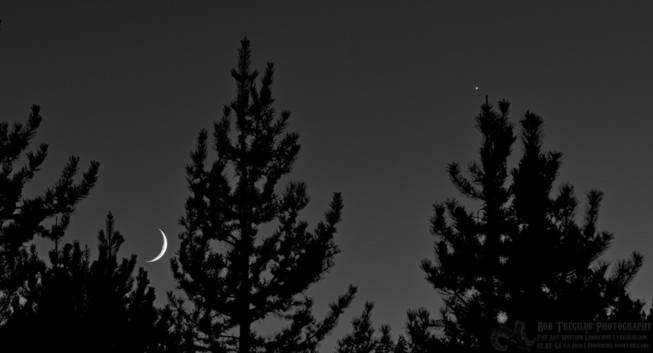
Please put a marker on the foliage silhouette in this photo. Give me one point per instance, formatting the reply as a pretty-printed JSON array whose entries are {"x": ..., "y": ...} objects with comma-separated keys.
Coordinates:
[
  {"x": 231, "y": 277},
  {"x": 79, "y": 303},
  {"x": 522, "y": 255},
  {"x": 23, "y": 218},
  {"x": 362, "y": 338}
]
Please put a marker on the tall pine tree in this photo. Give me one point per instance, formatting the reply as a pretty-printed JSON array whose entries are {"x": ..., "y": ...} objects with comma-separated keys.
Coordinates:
[
  {"x": 232, "y": 275},
  {"x": 521, "y": 257},
  {"x": 577, "y": 285}
]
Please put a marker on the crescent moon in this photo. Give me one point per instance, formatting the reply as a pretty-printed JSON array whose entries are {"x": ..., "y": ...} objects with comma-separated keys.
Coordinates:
[{"x": 163, "y": 250}]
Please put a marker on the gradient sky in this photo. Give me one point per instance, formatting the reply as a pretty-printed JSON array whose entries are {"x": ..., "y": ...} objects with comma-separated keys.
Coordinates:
[{"x": 382, "y": 95}]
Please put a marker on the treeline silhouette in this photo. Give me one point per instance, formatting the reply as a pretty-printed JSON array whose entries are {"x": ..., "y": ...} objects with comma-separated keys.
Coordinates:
[{"x": 521, "y": 257}]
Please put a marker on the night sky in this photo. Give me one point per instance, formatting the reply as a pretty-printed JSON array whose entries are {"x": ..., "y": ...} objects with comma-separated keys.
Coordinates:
[{"x": 382, "y": 96}]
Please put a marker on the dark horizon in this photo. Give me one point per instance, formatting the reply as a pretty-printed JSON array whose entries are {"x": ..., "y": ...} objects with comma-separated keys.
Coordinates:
[{"x": 383, "y": 98}]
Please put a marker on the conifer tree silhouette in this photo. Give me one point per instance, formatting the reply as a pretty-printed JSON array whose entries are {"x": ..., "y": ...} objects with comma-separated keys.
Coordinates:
[
  {"x": 362, "y": 339},
  {"x": 418, "y": 338},
  {"x": 59, "y": 314},
  {"x": 231, "y": 275},
  {"x": 117, "y": 301},
  {"x": 521, "y": 257},
  {"x": 23, "y": 218},
  {"x": 577, "y": 285},
  {"x": 81, "y": 305}
]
